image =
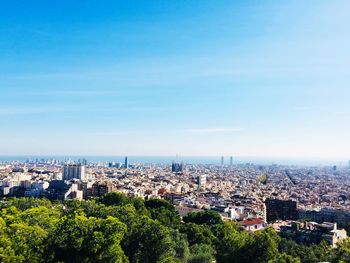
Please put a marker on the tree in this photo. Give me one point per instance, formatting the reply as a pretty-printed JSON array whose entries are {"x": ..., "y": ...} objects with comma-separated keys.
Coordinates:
[
  {"x": 284, "y": 258},
  {"x": 90, "y": 207},
  {"x": 126, "y": 214},
  {"x": 29, "y": 241},
  {"x": 182, "y": 251},
  {"x": 120, "y": 199},
  {"x": 197, "y": 234},
  {"x": 41, "y": 216},
  {"x": 7, "y": 253},
  {"x": 25, "y": 233},
  {"x": 115, "y": 198},
  {"x": 204, "y": 217},
  {"x": 323, "y": 251},
  {"x": 149, "y": 242},
  {"x": 122, "y": 230},
  {"x": 78, "y": 238},
  {"x": 230, "y": 243},
  {"x": 307, "y": 254},
  {"x": 342, "y": 251},
  {"x": 164, "y": 212},
  {"x": 262, "y": 246},
  {"x": 201, "y": 253},
  {"x": 25, "y": 203}
]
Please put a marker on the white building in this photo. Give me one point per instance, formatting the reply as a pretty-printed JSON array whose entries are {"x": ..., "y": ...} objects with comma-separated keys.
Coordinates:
[
  {"x": 73, "y": 171},
  {"x": 202, "y": 180},
  {"x": 253, "y": 224}
]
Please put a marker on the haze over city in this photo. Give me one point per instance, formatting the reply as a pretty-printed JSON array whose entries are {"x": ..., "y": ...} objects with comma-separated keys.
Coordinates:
[
  {"x": 171, "y": 131},
  {"x": 195, "y": 78}
]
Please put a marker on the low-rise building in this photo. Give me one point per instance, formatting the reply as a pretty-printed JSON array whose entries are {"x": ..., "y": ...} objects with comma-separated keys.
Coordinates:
[
  {"x": 253, "y": 224},
  {"x": 313, "y": 233}
]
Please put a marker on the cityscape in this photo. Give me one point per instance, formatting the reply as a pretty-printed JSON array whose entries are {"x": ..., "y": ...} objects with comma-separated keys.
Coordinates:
[
  {"x": 174, "y": 131},
  {"x": 256, "y": 196}
]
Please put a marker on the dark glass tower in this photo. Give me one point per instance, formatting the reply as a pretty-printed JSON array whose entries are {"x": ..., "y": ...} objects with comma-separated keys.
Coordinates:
[{"x": 126, "y": 162}]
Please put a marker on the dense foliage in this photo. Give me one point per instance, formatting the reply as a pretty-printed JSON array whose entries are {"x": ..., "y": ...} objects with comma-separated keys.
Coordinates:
[{"x": 116, "y": 228}]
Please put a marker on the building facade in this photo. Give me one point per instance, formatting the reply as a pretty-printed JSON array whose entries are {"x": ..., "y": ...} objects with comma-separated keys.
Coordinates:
[
  {"x": 281, "y": 210},
  {"x": 73, "y": 171}
]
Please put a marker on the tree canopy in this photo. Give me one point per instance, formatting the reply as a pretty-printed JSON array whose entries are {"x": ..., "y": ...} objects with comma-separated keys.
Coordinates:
[{"x": 117, "y": 228}]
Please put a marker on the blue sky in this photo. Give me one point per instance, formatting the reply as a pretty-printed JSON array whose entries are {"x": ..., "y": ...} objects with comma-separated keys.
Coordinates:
[{"x": 242, "y": 78}]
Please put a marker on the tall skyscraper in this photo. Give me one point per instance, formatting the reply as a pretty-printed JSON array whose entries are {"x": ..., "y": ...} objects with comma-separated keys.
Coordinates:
[
  {"x": 84, "y": 162},
  {"x": 73, "y": 171},
  {"x": 222, "y": 160},
  {"x": 231, "y": 161},
  {"x": 126, "y": 164}
]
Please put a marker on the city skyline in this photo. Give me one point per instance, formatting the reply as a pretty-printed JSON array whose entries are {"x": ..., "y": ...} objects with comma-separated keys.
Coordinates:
[{"x": 199, "y": 79}]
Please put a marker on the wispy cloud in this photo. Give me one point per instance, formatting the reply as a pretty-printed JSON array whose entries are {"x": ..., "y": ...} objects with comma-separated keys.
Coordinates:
[
  {"x": 29, "y": 110},
  {"x": 213, "y": 130},
  {"x": 72, "y": 92},
  {"x": 109, "y": 133}
]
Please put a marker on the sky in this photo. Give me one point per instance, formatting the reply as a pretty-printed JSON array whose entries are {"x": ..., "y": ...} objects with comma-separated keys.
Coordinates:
[{"x": 191, "y": 78}]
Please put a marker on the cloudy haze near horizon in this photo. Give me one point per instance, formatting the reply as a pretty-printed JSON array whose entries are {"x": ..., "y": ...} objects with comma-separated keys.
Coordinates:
[{"x": 204, "y": 78}]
